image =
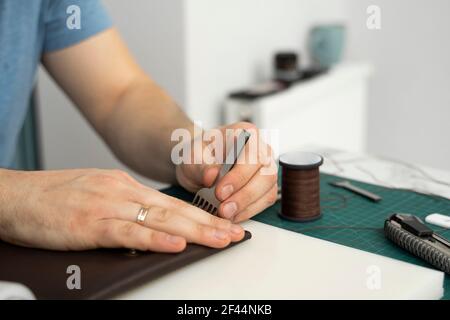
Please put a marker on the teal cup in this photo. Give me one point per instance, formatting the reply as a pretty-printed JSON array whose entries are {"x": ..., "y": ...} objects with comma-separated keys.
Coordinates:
[{"x": 326, "y": 45}]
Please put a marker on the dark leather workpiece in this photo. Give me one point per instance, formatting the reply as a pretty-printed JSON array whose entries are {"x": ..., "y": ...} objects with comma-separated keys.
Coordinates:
[{"x": 104, "y": 273}]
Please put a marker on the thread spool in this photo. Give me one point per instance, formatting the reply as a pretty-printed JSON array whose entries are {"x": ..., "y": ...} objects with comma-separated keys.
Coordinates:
[{"x": 300, "y": 186}]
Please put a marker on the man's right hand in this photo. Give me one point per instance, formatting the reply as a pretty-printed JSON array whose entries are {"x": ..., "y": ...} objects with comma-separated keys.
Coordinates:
[{"x": 91, "y": 208}]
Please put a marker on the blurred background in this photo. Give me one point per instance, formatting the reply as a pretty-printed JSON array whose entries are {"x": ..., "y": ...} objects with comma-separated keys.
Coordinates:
[{"x": 368, "y": 81}]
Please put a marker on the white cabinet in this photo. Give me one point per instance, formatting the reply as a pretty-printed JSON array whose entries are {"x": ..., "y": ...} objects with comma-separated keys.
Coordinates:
[{"x": 329, "y": 110}]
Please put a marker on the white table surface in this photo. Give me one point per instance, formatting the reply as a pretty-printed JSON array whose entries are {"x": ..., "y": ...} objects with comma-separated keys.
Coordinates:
[{"x": 279, "y": 264}]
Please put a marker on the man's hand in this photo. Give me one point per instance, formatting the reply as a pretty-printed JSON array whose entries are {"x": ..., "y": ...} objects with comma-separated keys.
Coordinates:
[
  {"x": 90, "y": 208},
  {"x": 249, "y": 188},
  {"x": 136, "y": 118}
]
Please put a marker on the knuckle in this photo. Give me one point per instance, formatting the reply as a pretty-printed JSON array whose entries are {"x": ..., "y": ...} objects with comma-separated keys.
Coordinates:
[
  {"x": 121, "y": 174},
  {"x": 105, "y": 232},
  {"x": 143, "y": 243},
  {"x": 265, "y": 153},
  {"x": 203, "y": 232},
  {"x": 102, "y": 179},
  {"x": 269, "y": 150},
  {"x": 159, "y": 215},
  {"x": 273, "y": 178},
  {"x": 271, "y": 169},
  {"x": 243, "y": 216},
  {"x": 237, "y": 177},
  {"x": 245, "y": 195},
  {"x": 127, "y": 230},
  {"x": 218, "y": 222},
  {"x": 92, "y": 205},
  {"x": 272, "y": 197},
  {"x": 77, "y": 222},
  {"x": 93, "y": 211},
  {"x": 155, "y": 239},
  {"x": 178, "y": 203}
]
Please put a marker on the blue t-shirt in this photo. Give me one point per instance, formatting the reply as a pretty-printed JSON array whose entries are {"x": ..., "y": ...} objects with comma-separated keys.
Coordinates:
[{"x": 28, "y": 29}]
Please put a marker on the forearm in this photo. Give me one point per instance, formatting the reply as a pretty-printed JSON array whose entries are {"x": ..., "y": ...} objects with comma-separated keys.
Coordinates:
[
  {"x": 139, "y": 128},
  {"x": 132, "y": 114}
]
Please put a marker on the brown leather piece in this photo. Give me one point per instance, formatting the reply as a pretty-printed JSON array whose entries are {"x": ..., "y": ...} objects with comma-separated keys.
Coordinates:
[{"x": 104, "y": 273}]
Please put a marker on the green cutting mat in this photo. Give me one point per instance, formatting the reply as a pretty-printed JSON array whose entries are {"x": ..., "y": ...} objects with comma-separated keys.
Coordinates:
[{"x": 354, "y": 221}]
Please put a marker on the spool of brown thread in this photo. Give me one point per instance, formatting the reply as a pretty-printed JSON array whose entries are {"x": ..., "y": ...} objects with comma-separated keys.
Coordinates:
[{"x": 300, "y": 186}]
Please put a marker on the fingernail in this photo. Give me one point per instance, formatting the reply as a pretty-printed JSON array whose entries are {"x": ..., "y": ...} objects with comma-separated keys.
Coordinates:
[
  {"x": 220, "y": 234},
  {"x": 236, "y": 229},
  {"x": 227, "y": 191},
  {"x": 229, "y": 209},
  {"x": 174, "y": 239}
]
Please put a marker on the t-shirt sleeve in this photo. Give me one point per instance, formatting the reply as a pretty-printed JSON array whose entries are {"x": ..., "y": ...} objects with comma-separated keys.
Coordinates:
[{"x": 68, "y": 22}]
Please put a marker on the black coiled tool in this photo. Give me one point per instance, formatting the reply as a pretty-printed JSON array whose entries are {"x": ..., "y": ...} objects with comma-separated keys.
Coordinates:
[{"x": 410, "y": 233}]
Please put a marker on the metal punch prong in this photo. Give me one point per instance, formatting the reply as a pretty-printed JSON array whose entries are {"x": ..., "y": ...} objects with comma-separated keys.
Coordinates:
[{"x": 205, "y": 198}]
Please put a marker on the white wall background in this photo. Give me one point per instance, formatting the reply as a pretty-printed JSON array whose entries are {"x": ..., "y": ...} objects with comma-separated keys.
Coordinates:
[
  {"x": 410, "y": 95},
  {"x": 200, "y": 50},
  {"x": 231, "y": 44}
]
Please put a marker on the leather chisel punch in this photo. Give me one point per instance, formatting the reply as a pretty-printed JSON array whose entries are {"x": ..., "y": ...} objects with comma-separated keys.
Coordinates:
[{"x": 205, "y": 198}]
